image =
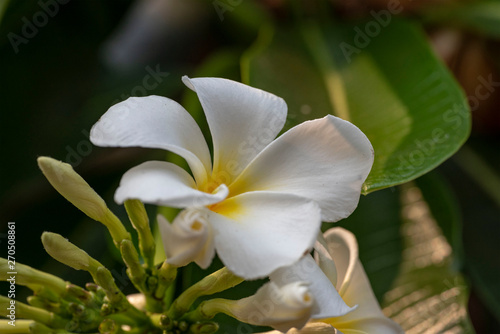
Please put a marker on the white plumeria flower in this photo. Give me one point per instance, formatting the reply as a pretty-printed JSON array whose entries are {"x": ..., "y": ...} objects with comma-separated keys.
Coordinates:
[
  {"x": 263, "y": 199},
  {"x": 339, "y": 275}
]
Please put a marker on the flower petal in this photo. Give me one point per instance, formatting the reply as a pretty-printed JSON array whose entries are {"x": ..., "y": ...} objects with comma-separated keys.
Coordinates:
[
  {"x": 326, "y": 160},
  {"x": 340, "y": 247},
  {"x": 371, "y": 326},
  {"x": 353, "y": 284},
  {"x": 188, "y": 239},
  {"x": 163, "y": 183},
  {"x": 242, "y": 119},
  {"x": 310, "y": 328},
  {"x": 256, "y": 233},
  {"x": 281, "y": 307},
  {"x": 328, "y": 301},
  {"x": 154, "y": 122}
]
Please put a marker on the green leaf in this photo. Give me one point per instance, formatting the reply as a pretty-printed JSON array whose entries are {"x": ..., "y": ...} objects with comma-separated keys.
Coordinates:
[
  {"x": 482, "y": 16},
  {"x": 428, "y": 296},
  {"x": 390, "y": 85}
]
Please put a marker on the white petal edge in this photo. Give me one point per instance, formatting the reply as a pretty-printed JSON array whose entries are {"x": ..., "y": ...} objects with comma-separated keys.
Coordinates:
[
  {"x": 154, "y": 122},
  {"x": 328, "y": 302},
  {"x": 166, "y": 184},
  {"x": 371, "y": 326},
  {"x": 353, "y": 284},
  {"x": 326, "y": 160},
  {"x": 256, "y": 233},
  {"x": 242, "y": 120}
]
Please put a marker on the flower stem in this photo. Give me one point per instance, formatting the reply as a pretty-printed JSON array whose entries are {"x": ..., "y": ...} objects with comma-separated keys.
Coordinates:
[
  {"x": 166, "y": 275},
  {"x": 135, "y": 271},
  {"x": 35, "y": 279},
  {"x": 139, "y": 219},
  {"x": 218, "y": 281},
  {"x": 208, "y": 309},
  {"x": 29, "y": 312},
  {"x": 21, "y": 326}
]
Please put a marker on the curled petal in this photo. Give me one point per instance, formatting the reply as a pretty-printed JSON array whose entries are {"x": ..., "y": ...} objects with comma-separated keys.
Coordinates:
[
  {"x": 326, "y": 263},
  {"x": 163, "y": 183},
  {"x": 256, "y": 233},
  {"x": 354, "y": 287},
  {"x": 326, "y": 160},
  {"x": 328, "y": 302},
  {"x": 154, "y": 122},
  {"x": 282, "y": 307},
  {"x": 188, "y": 239},
  {"x": 340, "y": 246},
  {"x": 242, "y": 119}
]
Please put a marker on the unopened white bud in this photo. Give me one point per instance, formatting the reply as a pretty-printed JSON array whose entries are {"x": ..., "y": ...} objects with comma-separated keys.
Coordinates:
[
  {"x": 282, "y": 307},
  {"x": 76, "y": 190},
  {"x": 188, "y": 239},
  {"x": 65, "y": 252},
  {"x": 73, "y": 187}
]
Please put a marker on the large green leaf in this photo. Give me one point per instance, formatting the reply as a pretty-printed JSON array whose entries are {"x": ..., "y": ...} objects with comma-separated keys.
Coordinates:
[
  {"x": 390, "y": 85},
  {"x": 428, "y": 296}
]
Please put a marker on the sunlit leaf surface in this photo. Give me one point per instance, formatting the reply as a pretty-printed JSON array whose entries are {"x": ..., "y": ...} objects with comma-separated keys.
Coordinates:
[{"x": 389, "y": 84}]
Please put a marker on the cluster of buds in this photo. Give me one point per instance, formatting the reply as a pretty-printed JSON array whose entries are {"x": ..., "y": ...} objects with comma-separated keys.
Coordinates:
[{"x": 60, "y": 307}]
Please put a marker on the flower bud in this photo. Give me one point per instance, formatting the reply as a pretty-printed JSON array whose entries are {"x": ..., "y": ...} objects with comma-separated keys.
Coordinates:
[
  {"x": 65, "y": 252},
  {"x": 73, "y": 187},
  {"x": 282, "y": 307},
  {"x": 32, "y": 278},
  {"x": 76, "y": 190},
  {"x": 189, "y": 238}
]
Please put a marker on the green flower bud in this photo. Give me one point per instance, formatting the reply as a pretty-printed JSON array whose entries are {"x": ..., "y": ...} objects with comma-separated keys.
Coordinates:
[
  {"x": 36, "y": 280},
  {"x": 65, "y": 252},
  {"x": 76, "y": 190}
]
